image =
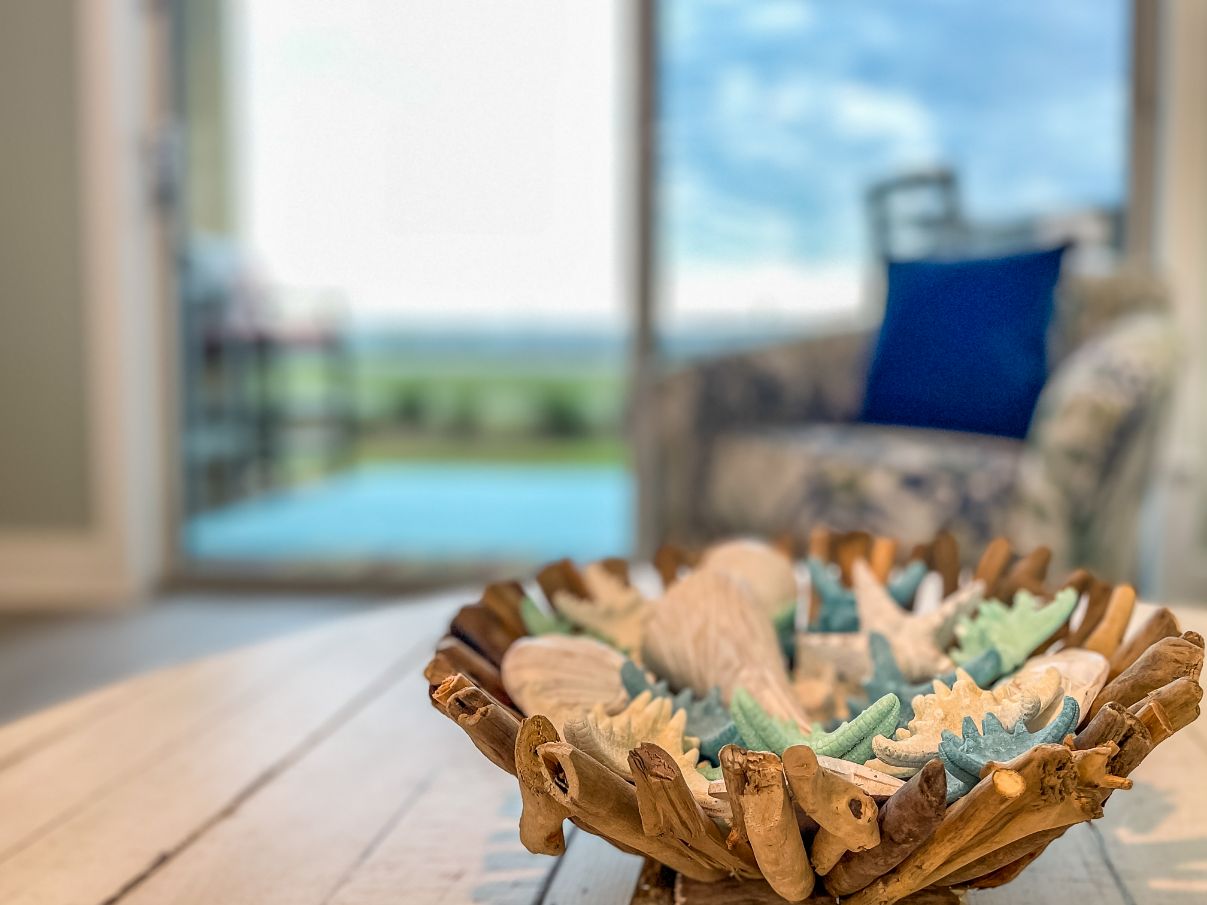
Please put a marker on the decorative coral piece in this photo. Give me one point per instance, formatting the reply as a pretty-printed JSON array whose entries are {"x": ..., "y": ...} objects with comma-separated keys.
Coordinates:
[
  {"x": 946, "y": 709},
  {"x": 537, "y": 622},
  {"x": 614, "y": 611},
  {"x": 1015, "y": 631},
  {"x": 966, "y": 755},
  {"x": 888, "y": 679},
  {"x": 708, "y": 718}
]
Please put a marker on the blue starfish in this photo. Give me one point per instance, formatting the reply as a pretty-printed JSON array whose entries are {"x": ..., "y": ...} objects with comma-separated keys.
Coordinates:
[{"x": 965, "y": 757}]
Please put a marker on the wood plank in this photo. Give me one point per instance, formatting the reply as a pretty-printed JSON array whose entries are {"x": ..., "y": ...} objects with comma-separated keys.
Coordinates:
[
  {"x": 458, "y": 840},
  {"x": 68, "y": 772},
  {"x": 23, "y": 737},
  {"x": 319, "y": 820},
  {"x": 126, "y": 832},
  {"x": 593, "y": 872}
]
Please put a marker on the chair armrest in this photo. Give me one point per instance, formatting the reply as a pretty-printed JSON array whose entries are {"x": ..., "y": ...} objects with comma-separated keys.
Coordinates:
[
  {"x": 818, "y": 379},
  {"x": 1091, "y": 447}
]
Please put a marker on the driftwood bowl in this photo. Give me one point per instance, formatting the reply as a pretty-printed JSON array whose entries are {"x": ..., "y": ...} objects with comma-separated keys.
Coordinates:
[{"x": 793, "y": 822}]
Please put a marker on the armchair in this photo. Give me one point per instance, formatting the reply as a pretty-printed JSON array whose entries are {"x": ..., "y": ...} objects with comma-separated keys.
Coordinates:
[{"x": 769, "y": 441}]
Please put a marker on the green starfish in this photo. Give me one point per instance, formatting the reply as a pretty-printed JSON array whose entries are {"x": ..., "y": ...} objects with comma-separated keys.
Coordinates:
[
  {"x": 965, "y": 757},
  {"x": 709, "y": 772},
  {"x": 538, "y": 622},
  {"x": 707, "y": 717},
  {"x": 850, "y": 741},
  {"x": 888, "y": 679},
  {"x": 1015, "y": 631}
]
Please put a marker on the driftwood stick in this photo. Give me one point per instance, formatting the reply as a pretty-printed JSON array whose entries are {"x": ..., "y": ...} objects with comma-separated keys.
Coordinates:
[
  {"x": 1027, "y": 574},
  {"x": 1107, "y": 725},
  {"x": 1080, "y": 580},
  {"x": 503, "y": 599},
  {"x": 985, "y": 807},
  {"x": 985, "y": 867},
  {"x": 542, "y": 816},
  {"x": 1161, "y": 624},
  {"x": 732, "y": 764},
  {"x": 455, "y": 656},
  {"x": 770, "y": 821},
  {"x": 1168, "y": 659},
  {"x": 882, "y": 556},
  {"x": 605, "y": 804},
  {"x": 849, "y": 547},
  {"x": 481, "y": 629},
  {"x": 993, "y": 562},
  {"x": 618, "y": 568},
  {"x": 945, "y": 559},
  {"x": 746, "y": 892},
  {"x": 669, "y": 811},
  {"x": 1178, "y": 705},
  {"x": 669, "y": 559},
  {"x": 1098, "y": 594},
  {"x": 906, "y": 821},
  {"x": 490, "y": 726},
  {"x": 1108, "y": 634},
  {"x": 562, "y": 575},
  {"x": 845, "y": 813}
]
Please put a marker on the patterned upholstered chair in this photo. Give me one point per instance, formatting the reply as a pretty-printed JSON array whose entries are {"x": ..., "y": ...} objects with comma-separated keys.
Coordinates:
[{"x": 769, "y": 441}]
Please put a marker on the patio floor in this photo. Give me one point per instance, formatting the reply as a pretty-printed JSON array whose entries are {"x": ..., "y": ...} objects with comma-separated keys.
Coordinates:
[{"x": 419, "y": 511}]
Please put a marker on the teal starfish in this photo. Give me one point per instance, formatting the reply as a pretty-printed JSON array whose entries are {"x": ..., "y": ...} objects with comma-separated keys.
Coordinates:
[
  {"x": 903, "y": 586},
  {"x": 1015, "y": 631},
  {"x": 785, "y": 630},
  {"x": 538, "y": 622},
  {"x": 707, "y": 717},
  {"x": 966, "y": 757},
  {"x": 850, "y": 741},
  {"x": 837, "y": 612},
  {"x": 888, "y": 679}
]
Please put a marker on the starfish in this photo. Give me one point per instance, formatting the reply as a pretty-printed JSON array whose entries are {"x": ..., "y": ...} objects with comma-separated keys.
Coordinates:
[
  {"x": 918, "y": 642},
  {"x": 947, "y": 708},
  {"x": 838, "y": 611},
  {"x": 849, "y": 741},
  {"x": 966, "y": 756},
  {"x": 707, "y": 717},
  {"x": 1015, "y": 631},
  {"x": 614, "y": 611},
  {"x": 610, "y": 737},
  {"x": 887, "y": 676},
  {"x": 785, "y": 630}
]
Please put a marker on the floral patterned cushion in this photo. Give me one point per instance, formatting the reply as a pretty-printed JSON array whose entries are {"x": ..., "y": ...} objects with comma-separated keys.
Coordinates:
[{"x": 903, "y": 482}]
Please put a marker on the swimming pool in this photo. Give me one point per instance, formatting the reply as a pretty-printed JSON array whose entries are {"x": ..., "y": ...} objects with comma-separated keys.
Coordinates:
[{"x": 428, "y": 511}]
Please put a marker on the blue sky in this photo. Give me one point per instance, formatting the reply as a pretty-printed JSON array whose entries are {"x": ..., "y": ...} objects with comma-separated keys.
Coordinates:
[{"x": 776, "y": 115}]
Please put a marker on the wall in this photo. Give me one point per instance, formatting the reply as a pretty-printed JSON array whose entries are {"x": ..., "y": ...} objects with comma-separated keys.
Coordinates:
[
  {"x": 44, "y": 477},
  {"x": 81, "y": 336}
]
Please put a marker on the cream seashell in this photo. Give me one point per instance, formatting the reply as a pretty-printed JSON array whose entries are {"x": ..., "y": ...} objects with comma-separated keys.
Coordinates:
[
  {"x": 704, "y": 630},
  {"x": 615, "y": 610},
  {"x": 561, "y": 676},
  {"x": 918, "y": 642},
  {"x": 1082, "y": 674},
  {"x": 767, "y": 572}
]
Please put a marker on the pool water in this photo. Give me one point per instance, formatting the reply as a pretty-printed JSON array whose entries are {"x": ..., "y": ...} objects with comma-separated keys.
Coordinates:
[{"x": 428, "y": 512}]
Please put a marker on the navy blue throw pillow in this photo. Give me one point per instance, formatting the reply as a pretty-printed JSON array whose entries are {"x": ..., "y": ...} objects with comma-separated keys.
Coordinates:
[{"x": 963, "y": 345}]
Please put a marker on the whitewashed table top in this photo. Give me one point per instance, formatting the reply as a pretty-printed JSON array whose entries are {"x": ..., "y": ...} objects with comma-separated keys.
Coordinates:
[{"x": 311, "y": 770}]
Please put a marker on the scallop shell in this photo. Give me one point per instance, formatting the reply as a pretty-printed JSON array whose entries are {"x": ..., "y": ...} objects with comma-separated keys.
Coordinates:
[
  {"x": 615, "y": 610},
  {"x": 767, "y": 572},
  {"x": 1082, "y": 675},
  {"x": 563, "y": 676},
  {"x": 705, "y": 630}
]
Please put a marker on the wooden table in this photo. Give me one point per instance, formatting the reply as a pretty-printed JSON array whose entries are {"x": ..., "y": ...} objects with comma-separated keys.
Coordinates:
[{"x": 311, "y": 770}]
